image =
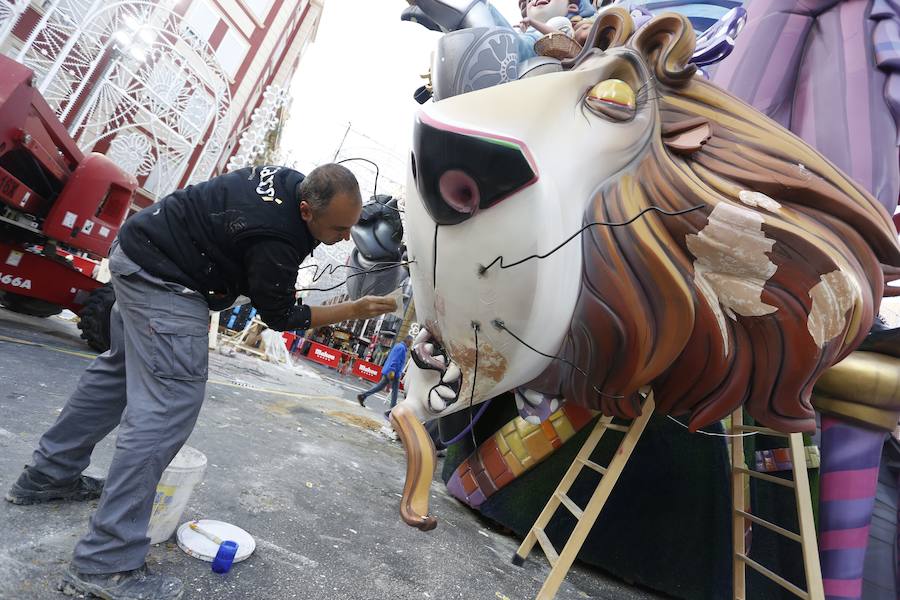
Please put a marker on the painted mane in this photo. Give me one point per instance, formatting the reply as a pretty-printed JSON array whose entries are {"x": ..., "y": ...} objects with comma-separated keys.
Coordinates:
[{"x": 746, "y": 300}]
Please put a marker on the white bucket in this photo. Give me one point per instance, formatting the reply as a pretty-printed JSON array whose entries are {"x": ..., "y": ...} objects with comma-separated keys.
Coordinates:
[{"x": 174, "y": 491}]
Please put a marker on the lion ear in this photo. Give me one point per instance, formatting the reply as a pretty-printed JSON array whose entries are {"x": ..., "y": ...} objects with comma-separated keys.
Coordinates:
[
  {"x": 667, "y": 44},
  {"x": 612, "y": 27},
  {"x": 687, "y": 136}
]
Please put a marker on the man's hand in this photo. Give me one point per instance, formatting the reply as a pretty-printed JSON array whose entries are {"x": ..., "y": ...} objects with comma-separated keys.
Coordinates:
[
  {"x": 390, "y": 375},
  {"x": 364, "y": 308},
  {"x": 373, "y": 306}
]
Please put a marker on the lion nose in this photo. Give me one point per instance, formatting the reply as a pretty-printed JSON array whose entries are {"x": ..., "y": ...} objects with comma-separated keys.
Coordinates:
[{"x": 458, "y": 172}]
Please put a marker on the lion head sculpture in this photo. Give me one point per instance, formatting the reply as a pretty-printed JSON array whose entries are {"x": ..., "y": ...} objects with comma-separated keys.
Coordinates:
[{"x": 712, "y": 255}]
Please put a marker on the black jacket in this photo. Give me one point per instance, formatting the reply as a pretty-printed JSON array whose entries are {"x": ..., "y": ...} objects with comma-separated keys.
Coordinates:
[{"x": 236, "y": 234}]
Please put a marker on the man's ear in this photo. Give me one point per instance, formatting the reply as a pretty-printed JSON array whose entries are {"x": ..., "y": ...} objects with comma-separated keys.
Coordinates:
[{"x": 305, "y": 211}]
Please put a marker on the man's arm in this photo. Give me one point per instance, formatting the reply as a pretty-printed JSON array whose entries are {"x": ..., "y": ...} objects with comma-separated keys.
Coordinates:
[
  {"x": 271, "y": 266},
  {"x": 364, "y": 308}
]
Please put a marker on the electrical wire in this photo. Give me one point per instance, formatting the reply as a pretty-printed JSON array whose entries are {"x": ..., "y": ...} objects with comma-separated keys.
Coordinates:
[
  {"x": 349, "y": 277},
  {"x": 371, "y": 162},
  {"x": 482, "y": 270},
  {"x": 484, "y": 406},
  {"x": 711, "y": 434},
  {"x": 502, "y": 326}
]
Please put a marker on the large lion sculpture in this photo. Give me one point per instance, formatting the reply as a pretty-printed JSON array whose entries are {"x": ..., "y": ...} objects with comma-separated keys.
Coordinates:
[{"x": 581, "y": 236}]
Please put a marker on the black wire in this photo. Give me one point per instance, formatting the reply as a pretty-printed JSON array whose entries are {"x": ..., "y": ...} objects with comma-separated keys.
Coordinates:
[
  {"x": 472, "y": 396},
  {"x": 472, "y": 419},
  {"x": 349, "y": 277},
  {"x": 331, "y": 269},
  {"x": 501, "y": 325},
  {"x": 434, "y": 257},
  {"x": 375, "y": 185},
  {"x": 503, "y": 265}
]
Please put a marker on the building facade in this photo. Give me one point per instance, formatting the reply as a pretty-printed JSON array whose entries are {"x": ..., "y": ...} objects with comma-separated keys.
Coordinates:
[{"x": 174, "y": 91}]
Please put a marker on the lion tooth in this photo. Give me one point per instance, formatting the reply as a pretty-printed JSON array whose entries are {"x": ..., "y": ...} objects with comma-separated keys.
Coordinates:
[
  {"x": 520, "y": 404},
  {"x": 429, "y": 349},
  {"x": 533, "y": 419},
  {"x": 451, "y": 375},
  {"x": 423, "y": 336},
  {"x": 436, "y": 402},
  {"x": 445, "y": 392},
  {"x": 554, "y": 405},
  {"x": 533, "y": 398}
]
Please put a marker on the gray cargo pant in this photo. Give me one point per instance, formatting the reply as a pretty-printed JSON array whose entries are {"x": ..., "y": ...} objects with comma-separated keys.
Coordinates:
[{"x": 159, "y": 336}]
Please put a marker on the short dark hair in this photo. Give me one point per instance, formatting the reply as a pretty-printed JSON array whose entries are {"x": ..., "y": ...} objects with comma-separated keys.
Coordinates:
[{"x": 326, "y": 181}]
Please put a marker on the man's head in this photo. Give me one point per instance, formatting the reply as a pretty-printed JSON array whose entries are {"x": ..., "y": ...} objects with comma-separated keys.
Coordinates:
[
  {"x": 407, "y": 341},
  {"x": 330, "y": 202}
]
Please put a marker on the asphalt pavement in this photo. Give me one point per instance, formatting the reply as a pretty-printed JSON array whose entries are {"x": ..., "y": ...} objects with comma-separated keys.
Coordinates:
[{"x": 294, "y": 460}]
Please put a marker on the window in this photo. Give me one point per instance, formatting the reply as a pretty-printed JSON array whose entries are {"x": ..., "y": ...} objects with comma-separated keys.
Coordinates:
[
  {"x": 201, "y": 19},
  {"x": 260, "y": 8},
  {"x": 231, "y": 52}
]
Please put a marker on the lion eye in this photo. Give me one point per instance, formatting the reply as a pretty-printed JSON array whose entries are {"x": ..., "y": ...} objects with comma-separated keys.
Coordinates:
[{"x": 612, "y": 98}]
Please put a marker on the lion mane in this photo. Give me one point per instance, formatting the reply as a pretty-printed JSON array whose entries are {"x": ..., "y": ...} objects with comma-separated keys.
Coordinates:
[{"x": 746, "y": 300}]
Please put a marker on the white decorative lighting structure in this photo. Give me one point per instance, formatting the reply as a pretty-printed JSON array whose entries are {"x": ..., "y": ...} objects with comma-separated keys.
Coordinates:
[
  {"x": 131, "y": 74},
  {"x": 263, "y": 120}
]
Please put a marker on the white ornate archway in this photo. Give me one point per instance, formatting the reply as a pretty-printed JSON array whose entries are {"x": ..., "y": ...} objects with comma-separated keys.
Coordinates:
[{"x": 131, "y": 76}]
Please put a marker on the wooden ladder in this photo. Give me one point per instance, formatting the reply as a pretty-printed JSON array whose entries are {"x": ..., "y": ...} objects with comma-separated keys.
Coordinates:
[
  {"x": 585, "y": 518},
  {"x": 807, "y": 536}
]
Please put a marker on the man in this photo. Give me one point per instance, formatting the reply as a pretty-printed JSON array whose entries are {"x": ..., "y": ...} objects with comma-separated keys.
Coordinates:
[
  {"x": 390, "y": 373},
  {"x": 244, "y": 233}
]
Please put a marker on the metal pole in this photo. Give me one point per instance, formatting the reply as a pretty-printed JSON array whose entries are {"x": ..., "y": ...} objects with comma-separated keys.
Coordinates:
[{"x": 341, "y": 145}]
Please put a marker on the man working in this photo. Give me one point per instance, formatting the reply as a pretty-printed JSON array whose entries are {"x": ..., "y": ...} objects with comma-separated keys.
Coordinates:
[
  {"x": 390, "y": 373},
  {"x": 244, "y": 233}
]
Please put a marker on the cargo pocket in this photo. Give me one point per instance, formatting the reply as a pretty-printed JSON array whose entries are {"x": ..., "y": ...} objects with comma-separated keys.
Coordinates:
[{"x": 179, "y": 349}]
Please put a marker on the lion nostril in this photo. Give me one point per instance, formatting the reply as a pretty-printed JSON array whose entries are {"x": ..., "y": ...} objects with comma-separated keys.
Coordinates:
[{"x": 459, "y": 191}]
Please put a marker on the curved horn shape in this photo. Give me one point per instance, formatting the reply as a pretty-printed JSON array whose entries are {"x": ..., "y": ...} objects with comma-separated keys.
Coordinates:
[
  {"x": 612, "y": 28},
  {"x": 420, "y": 463},
  {"x": 667, "y": 44}
]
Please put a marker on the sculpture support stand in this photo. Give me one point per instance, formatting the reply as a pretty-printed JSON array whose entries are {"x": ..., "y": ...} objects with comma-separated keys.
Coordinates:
[
  {"x": 807, "y": 536},
  {"x": 561, "y": 562}
]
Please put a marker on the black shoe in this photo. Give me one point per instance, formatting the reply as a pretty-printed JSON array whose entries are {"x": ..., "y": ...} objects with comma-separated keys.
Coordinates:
[
  {"x": 139, "y": 584},
  {"x": 361, "y": 399},
  {"x": 35, "y": 488}
]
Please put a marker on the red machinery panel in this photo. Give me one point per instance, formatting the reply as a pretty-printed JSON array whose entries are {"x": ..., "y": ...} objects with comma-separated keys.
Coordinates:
[
  {"x": 23, "y": 111},
  {"x": 89, "y": 211},
  {"x": 33, "y": 275},
  {"x": 17, "y": 194}
]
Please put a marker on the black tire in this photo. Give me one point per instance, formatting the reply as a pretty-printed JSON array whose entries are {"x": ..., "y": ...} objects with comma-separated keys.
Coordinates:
[
  {"x": 27, "y": 305},
  {"x": 94, "y": 318}
]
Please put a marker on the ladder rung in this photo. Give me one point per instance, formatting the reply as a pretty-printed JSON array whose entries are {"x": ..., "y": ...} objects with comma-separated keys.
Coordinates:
[
  {"x": 762, "y": 430},
  {"x": 771, "y": 526},
  {"x": 592, "y": 465},
  {"x": 544, "y": 541},
  {"x": 779, "y": 580},
  {"x": 614, "y": 427},
  {"x": 764, "y": 477},
  {"x": 568, "y": 503}
]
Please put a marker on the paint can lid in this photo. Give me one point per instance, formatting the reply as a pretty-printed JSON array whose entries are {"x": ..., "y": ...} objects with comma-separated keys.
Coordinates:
[{"x": 199, "y": 546}]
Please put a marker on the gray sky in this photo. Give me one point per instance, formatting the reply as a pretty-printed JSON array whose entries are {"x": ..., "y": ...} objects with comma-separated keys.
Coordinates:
[{"x": 363, "y": 68}]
